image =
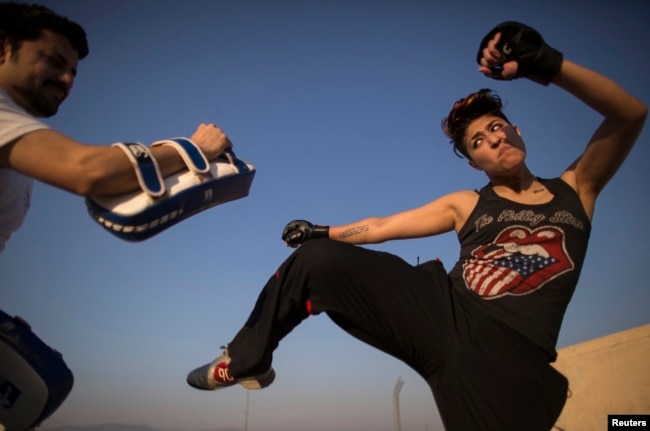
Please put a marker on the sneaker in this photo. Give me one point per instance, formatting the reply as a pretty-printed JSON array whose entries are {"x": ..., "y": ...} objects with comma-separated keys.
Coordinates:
[{"x": 215, "y": 375}]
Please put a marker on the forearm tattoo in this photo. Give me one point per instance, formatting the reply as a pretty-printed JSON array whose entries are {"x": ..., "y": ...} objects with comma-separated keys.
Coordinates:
[{"x": 353, "y": 231}]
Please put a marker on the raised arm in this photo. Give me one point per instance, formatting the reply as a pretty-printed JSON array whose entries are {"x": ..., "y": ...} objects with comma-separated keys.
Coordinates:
[
  {"x": 513, "y": 50},
  {"x": 439, "y": 216},
  {"x": 624, "y": 116}
]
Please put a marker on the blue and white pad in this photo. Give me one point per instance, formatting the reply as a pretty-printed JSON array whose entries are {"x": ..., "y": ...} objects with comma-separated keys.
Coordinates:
[
  {"x": 34, "y": 379},
  {"x": 140, "y": 215}
]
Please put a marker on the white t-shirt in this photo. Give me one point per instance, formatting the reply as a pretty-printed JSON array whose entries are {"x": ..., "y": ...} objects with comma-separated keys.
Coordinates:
[{"x": 15, "y": 188}]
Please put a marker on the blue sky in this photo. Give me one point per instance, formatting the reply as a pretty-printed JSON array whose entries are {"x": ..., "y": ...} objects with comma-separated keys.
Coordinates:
[{"x": 338, "y": 105}]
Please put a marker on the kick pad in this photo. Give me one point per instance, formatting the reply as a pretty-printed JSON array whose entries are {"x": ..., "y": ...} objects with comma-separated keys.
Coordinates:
[
  {"x": 159, "y": 205},
  {"x": 34, "y": 379}
]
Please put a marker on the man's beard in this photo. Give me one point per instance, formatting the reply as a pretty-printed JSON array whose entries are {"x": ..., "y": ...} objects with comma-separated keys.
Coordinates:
[{"x": 36, "y": 101}]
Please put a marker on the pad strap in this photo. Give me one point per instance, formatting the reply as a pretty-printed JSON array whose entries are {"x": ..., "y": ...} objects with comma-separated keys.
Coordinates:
[
  {"x": 146, "y": 167},
  {"x": 195, "y": 159},
  {"x": 192, "y": 155},
  {"x": 239, "y": 165}
]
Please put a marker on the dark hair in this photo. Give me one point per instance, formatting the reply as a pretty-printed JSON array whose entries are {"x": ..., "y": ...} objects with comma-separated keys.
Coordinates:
[
  {"x": 466, "y": 110},
  {"x": 20, "y": 22}
]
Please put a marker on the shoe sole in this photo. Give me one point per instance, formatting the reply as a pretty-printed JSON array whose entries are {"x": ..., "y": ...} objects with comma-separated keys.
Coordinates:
[{"x": 258, "y": 382}]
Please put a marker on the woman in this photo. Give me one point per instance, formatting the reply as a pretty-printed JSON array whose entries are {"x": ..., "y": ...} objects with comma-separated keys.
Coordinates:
[{"x": 483, "y": 335}]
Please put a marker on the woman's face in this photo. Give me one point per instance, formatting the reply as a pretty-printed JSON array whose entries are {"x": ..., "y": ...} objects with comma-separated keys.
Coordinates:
[{"x": 494, "y": 145}]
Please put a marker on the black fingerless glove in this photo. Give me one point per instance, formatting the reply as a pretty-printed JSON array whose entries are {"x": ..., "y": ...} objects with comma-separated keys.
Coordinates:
[
  {"x": 298, "y": 231},
  {"x": 535, "y": 59}
]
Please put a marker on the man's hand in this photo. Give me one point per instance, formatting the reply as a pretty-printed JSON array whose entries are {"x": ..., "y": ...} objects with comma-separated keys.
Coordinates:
[
  {"x": 298, "y": 231},
  {"x": 211, "y": 139}
]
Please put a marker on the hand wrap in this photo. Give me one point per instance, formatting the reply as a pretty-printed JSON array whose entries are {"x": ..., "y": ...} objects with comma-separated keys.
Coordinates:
[
  {"x": 298, "y": 231},
  {"x": 536, "y": 60}
]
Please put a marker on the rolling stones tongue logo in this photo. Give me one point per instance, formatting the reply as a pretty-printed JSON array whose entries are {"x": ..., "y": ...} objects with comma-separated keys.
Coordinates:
[{"x": 518, "y": 262}]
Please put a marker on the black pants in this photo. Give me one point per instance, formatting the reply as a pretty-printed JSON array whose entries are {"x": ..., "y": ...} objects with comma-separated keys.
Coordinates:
[{"x": 483, "y": 376}]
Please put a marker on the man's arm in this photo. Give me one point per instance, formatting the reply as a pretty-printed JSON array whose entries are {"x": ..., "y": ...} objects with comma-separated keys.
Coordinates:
[{"x": 88, "y": 170}]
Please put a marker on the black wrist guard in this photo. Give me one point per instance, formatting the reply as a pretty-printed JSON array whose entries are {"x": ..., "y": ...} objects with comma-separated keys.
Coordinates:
[{"x": 320, "y": 232}]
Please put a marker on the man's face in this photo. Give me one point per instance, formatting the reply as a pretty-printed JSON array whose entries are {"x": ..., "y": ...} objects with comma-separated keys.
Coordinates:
[{"x": 40, "y": 74}]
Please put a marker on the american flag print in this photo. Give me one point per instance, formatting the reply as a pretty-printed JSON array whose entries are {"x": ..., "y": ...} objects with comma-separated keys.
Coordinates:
[{"x": 518, "y": 262}]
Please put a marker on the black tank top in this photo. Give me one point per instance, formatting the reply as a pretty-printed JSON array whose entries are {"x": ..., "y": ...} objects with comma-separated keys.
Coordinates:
[{"x": 520, "y": 263}]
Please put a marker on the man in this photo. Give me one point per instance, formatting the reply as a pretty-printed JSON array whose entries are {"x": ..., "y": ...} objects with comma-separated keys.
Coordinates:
[
  {"x": 483, "y": 335},
  {"x": 39, "y": 54}
]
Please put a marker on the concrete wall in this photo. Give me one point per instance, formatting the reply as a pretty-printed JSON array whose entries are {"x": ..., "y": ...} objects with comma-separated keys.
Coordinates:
[{"x": 607, "y": 375}]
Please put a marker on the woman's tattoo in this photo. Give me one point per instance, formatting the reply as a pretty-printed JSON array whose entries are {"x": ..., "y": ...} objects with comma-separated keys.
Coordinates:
[{"x": 353, "y": 231}]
